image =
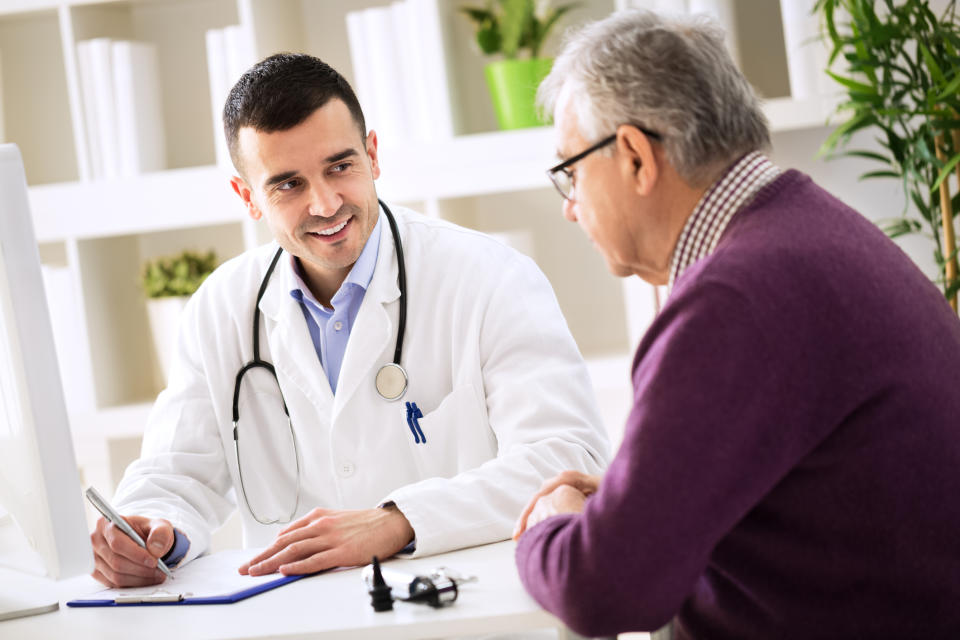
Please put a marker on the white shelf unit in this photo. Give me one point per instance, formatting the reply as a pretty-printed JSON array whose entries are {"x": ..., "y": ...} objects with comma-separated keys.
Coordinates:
[{"x": 102, "y": 230}]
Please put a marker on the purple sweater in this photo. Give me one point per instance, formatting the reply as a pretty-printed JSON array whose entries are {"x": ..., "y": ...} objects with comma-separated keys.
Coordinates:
[{"x": 791, "y": 465}]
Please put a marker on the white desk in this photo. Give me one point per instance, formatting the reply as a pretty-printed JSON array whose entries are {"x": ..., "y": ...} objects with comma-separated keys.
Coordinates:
[{"x": 330, "y": 605}]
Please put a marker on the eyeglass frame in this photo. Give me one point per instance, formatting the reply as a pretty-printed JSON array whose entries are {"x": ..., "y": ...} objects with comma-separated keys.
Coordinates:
[{"x": 552, "y": 171}]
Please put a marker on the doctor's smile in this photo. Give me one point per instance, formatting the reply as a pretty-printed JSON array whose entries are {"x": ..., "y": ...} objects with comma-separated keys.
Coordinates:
[{"x": 331, "y": 233}]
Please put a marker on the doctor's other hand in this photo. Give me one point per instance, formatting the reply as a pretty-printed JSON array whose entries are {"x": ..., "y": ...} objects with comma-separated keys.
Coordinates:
[
  {"x": 566, "y": 492},
  {"x": 326, "y": 538},
  {"x": 121, "y": 562}
]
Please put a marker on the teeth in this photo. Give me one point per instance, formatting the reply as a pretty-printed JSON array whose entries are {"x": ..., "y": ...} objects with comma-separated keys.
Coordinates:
[{"x": 332, "y": 230}]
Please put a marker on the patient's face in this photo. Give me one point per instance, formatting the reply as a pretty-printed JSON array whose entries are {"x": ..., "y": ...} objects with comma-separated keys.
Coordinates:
[{"x": 601, "y": 196}]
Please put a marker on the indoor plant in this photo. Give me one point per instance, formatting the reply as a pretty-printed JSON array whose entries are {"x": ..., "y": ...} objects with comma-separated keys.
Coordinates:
[
  {"x": 168, "y": 282},
  {"x": 515, "y": 29},
  {"x": 901, "y": 76}
]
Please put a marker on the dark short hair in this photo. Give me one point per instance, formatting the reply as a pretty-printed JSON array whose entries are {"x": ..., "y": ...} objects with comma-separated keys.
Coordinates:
[{"x": 280, "y": 92}]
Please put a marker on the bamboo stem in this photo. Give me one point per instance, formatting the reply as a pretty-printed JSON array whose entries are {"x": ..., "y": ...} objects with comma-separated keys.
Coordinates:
[{"x": 946, "y": 219}]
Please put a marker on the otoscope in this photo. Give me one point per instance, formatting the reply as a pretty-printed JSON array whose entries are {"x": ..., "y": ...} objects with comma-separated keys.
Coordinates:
[{"x": 438, "y": 589}]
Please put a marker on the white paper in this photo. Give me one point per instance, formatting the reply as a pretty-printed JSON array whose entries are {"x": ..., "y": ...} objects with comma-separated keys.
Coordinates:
[{"x": 205, "y": 577}]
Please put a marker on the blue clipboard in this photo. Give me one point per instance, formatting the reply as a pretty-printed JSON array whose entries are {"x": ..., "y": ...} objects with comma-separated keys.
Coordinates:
[{"x": 174, "y": 599}]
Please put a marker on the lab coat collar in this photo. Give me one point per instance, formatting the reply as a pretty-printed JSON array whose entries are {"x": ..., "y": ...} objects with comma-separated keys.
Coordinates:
[{"x": 373, "y": 329}]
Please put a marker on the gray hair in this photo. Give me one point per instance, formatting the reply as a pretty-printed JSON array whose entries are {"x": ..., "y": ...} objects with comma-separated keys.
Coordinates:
[{"x": 671, "y": 75}]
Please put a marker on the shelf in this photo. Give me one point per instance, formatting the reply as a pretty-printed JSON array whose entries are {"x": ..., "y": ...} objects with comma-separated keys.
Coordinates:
[
  {"x": 469, "y": 165},
  {"x": 465, "y": 166},
  {"x": 787, "y": 114},
  {"x": 180, "y": 198},
  {"x": 507, "y": 161}
]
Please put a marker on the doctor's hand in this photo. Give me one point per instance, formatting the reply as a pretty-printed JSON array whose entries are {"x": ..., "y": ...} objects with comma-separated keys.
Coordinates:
[
  {"x": 564, "y": 493},
  {"x": 121, "y": 562},
  {"x": 326, "y": 538}
]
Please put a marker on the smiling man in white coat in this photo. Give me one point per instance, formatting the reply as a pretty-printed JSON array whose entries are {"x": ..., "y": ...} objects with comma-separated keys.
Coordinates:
[{"x": 495, "y": 395}]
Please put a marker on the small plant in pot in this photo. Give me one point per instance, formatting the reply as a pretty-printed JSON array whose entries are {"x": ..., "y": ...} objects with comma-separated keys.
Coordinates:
[
  {"x": 168, "y": 282},
  {"x": 515, "y": 30}
]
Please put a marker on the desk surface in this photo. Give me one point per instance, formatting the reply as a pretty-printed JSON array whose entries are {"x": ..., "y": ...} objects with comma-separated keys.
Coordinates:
[{"x": 329, "y": 605}]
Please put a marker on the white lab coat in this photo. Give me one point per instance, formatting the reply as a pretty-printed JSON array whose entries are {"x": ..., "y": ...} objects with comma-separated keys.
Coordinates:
[{"x": 505, "y": 397}]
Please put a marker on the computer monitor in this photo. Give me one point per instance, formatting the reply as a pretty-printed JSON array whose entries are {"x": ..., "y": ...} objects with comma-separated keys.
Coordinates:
[{"x": 39, "y": 482}]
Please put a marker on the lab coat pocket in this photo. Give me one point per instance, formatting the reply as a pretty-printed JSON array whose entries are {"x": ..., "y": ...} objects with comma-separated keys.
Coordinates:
[{"x": 453, "y": 437}]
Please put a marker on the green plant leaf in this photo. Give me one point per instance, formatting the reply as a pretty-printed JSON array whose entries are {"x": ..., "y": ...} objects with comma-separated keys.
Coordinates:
[
  {"x": 932, "y": 65},
  {"x": 178, "y": 275},
  {"x": 859, "y": 121},
  {"x": 870, "y": 155},
  {"x": 879, "y": 174},
  {"x": 896, "y": 227},
  {"x": 950, "y": 89},
  {"x": 850, "y": 83},
  {"x": 945, "y": 172},
  {"x": 479, "y": 15},
  {"x": 515, "y": 22},
  {"x": 489, "y": 40},
  {"x": 547, "y": 25}
]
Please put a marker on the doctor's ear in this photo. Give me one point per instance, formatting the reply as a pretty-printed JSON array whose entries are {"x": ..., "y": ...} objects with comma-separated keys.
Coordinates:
[{"x": 243, "y": 190}]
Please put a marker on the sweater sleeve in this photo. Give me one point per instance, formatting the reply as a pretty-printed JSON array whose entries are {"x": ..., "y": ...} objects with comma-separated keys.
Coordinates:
[{"x": 709, "y": 434}]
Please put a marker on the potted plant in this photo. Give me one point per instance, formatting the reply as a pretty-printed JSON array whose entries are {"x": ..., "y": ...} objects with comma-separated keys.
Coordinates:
[
  {"x": 168, "y": 282},
  {"x": 901, "y": 76},
  {"x": 515, "y": 29}
]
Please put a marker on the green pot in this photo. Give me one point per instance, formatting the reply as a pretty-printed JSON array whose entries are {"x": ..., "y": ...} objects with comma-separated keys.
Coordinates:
[{"x": 513, "y": 89}]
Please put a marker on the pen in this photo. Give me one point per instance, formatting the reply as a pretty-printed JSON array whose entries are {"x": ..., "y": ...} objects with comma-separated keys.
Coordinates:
[{"x": 111, "y": 515}]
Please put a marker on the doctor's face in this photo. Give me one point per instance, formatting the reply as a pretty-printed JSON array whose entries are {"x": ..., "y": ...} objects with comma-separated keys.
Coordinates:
[{"x": 314, "y": 184}]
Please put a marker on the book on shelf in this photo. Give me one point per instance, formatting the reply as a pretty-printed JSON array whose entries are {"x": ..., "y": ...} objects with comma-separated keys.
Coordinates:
[
  {"x": 123, "y": 111},
  {"x": 104, "y": 107},
  {"x": 360, "y": 58},
  {"x": 140, "y": 132},
  {"x": 229, "y": 55},
  {"x": 398, "y": 55},
  {"x": 388, "y": 77},
  {"x": 3, "y": 136},
  {"x": 807, "y": 51},
  {"x": 88, "y": 99}
]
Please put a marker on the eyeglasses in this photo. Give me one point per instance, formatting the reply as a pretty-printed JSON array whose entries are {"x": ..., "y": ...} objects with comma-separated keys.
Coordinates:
[{"x": 561, "y": 176}]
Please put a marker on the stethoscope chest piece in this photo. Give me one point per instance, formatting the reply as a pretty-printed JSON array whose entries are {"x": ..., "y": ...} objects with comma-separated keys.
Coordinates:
[{"x": 391, "y": 381}]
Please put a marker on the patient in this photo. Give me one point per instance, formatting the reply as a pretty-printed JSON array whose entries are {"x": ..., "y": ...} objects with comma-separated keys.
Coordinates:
[{"x": 790, "y": 465}]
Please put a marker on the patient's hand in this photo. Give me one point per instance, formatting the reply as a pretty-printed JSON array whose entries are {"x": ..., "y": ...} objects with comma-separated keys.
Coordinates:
[
  {"x": 326, "y": 538},
  {"x": 563, "y": 493}
]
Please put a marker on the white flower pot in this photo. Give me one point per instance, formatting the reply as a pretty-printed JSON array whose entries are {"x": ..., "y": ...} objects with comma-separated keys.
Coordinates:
[{"x": 164, "y": 316}]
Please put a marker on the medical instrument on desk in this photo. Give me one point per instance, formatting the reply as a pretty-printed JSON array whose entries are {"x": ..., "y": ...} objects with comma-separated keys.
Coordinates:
[
  {"x": 437, "y": 589},
  {"x": 380, "y": 598},
  {"x": 391, "y": 380},
  {"x": 111, "y": 515}
]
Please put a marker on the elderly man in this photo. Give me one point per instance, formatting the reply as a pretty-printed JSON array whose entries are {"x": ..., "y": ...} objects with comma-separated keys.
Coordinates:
[{"x": 790, "y": 464}]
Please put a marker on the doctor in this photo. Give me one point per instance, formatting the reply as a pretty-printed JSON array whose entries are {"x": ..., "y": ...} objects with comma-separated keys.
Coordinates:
[{"x": 421, "y": 438}]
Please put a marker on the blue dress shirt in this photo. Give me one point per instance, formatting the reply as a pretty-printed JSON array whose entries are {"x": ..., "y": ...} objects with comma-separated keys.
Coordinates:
[{"x": 330, "y": 327}]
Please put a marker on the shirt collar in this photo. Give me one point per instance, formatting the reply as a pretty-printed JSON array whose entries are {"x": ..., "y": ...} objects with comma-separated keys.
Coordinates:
[
  {"x": 360, "y": 274},
  {"x": 725, "y": 197}
]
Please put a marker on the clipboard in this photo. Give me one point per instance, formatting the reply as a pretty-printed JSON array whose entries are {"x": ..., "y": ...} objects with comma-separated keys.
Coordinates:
[
  {"x": 162, "y": 597},
  {"x": 207, "y": 580}
]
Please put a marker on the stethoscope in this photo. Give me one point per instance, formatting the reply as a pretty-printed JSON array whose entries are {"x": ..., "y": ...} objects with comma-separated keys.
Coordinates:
[{"x": 391, "y": 380}]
